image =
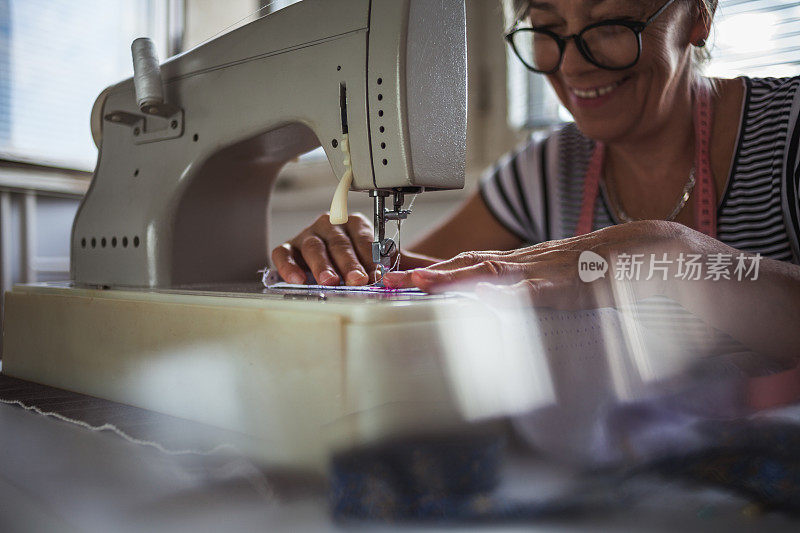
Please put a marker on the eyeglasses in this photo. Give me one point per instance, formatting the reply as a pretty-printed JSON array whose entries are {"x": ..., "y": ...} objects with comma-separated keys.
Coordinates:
[{"x": 608, "y": 44}]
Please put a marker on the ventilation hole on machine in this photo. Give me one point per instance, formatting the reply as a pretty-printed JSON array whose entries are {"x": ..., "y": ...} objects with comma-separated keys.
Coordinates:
[
  {"x": 195, "y": 137},
  {"x": 94, "y": 242},
  {"x": 113, "y": 242},
  {"x": 382, "y": 129},
  {"x": 83, "y": 242},
  {"x": 383, "y": 146},
  {"x": 103, "y": 242},
  {"x": 380, "y": 113},
  {"x": 380, "y": 81},
  {"x": 136, "y": 242},
  {"x": 135, "y": 172},
  {"x": 380, "y": 97},
  {"x": 124, "y": 242},
  {"x": 385, "y": 162}
]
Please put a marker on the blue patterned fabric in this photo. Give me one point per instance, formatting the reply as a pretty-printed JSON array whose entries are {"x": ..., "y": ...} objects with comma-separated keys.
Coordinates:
[{"x": 454, "y": 481}]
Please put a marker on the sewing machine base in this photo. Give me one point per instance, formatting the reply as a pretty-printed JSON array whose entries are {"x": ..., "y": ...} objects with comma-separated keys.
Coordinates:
[{"x": 304, "y": 377}]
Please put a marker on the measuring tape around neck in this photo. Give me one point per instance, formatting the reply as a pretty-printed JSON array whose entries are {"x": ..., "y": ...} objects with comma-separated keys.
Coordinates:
[{"x": 705, "y": 194}]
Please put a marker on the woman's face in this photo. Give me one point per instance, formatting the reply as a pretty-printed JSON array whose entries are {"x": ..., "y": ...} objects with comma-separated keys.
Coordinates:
[{"x": 619, "y": 105}]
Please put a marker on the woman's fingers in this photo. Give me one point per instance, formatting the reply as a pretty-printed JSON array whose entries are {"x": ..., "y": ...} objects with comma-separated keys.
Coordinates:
[
  {"x": 332, "y": 253},
  {"x": 284, "y": 260},
  {"x": 424, "y": 275},
  {"x": 361, "y": 235},
  {"x": 557, "y": 292},
  {"x": 315, "y": 254},
  {"x": 399, "y": 279},
  {"x": 536, "y": 292},
  {"x": 463, "y": 260},
  {"x": 341, "y": 249},
  {"x": 434, "y": 278}
]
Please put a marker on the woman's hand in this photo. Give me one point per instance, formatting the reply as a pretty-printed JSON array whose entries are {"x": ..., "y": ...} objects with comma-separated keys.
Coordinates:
[
  {"x": 336, "y": 252},
  {"x": 331, "y": 252},
  {"x": 548, "y": 271}
]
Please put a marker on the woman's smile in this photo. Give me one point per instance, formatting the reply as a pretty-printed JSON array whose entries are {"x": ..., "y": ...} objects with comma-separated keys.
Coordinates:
[{"x": 594, "y": 96}]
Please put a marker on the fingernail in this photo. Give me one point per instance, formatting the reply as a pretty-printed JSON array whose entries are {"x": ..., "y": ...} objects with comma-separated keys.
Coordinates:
[
  {"x": 328, "y": 277},
  {"x": 297, "y": 279},
  {"x": 356, "y": 277}
]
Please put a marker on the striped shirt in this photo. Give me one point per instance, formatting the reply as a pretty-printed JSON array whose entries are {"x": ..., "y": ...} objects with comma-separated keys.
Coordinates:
[{"x": 536, "y": 191}]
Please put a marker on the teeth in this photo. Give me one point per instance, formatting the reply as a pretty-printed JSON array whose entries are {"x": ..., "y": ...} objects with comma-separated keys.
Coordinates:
[{"x": 596, "y": 92}]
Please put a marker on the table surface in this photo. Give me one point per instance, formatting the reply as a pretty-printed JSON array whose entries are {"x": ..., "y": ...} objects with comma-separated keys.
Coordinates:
[{"x": 60, "y": 476}]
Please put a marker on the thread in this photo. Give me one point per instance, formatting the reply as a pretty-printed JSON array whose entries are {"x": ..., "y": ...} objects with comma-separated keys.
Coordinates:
[
  {"x": 114, "y": 429},
  {"x": 396, "y": 265}
]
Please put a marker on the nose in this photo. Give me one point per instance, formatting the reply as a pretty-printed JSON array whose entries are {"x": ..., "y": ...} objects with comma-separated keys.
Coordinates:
[{"x": 574, "y": 63}]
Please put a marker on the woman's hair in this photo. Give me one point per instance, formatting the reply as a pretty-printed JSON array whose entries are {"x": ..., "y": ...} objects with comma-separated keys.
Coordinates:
[{"x": 513, "y": 10}]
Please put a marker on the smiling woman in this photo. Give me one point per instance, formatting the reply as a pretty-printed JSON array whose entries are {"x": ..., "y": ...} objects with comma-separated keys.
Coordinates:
[{"x": 700, "y": 168}]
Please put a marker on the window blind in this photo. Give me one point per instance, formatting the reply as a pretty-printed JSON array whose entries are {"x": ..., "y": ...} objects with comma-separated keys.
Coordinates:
[
  {"x": 756, "y": 38},
  {"x": 56, "y": 56}
]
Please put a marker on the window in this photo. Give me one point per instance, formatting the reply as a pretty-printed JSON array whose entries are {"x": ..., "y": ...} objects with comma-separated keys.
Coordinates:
[
  {"x": 750, "y": 37},
  {"x": 756, "y": 37},
  {"x": 56, "y": 56}
]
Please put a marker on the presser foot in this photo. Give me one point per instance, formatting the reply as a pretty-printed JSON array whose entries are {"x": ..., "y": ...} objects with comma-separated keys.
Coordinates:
[{"x": 382, "y": 269}]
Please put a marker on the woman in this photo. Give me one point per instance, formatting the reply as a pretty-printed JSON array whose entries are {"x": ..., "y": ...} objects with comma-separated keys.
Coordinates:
[{"x": 697, "y": 168}]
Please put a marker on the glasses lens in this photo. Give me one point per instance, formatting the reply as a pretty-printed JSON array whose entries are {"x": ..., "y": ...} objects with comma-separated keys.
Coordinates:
[
  {"x": 612, "y": 45},
  {"x": 536, "y": 49}
]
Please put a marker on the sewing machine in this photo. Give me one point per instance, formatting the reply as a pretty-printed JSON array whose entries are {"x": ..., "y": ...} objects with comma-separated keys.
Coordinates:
[
  {"x": 182, "y": 186},
  {"x": 165, "y": 309}
]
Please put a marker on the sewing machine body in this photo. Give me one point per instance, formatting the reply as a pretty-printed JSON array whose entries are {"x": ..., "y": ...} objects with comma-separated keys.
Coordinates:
[
  {"x": 182, "y": 197},
  {"x": 301, "y": 376},
  {"x": 177, "y": 213}
]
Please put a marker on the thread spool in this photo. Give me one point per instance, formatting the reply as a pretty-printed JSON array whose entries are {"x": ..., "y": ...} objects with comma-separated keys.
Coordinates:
[{"x": 147, "y": 76}]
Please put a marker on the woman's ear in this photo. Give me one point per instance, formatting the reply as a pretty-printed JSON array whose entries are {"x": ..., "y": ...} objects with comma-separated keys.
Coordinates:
[{"x": 701, "y": 26}]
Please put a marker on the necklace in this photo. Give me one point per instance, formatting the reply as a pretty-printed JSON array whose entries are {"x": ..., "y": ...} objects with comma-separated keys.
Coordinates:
[
  {"x": 624, "y": 217},
  {"x": 705, "y": 209}
]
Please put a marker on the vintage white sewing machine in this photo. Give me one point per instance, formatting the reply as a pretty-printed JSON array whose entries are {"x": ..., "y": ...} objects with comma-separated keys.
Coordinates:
[{"x": 166, "y": 310}]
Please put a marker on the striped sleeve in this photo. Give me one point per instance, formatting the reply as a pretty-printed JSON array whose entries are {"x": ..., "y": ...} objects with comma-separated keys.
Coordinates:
[
  {"x": 792, "y": 176},
  {"x": 511, "y": 191},
  {"x": 758, "y": 205}
]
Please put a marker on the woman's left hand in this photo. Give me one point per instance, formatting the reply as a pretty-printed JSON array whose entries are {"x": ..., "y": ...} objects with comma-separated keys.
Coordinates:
[{"x": 548, "y": 271}]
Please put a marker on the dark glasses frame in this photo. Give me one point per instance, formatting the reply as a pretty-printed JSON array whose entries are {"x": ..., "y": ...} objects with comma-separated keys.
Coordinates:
[{"x": 635, "y": 26}]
